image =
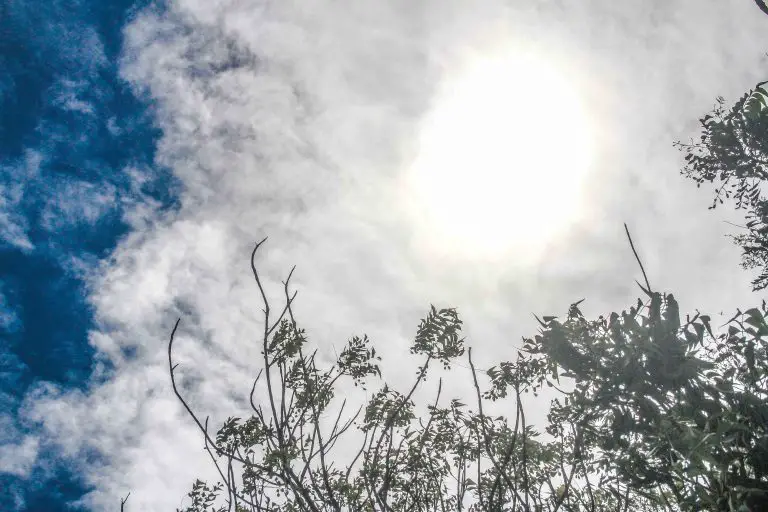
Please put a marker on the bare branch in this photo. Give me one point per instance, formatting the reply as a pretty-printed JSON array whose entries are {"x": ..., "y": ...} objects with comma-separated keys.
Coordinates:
[
  {"x": 122, "y": 502},
  {"x": 642, "y": 269}
]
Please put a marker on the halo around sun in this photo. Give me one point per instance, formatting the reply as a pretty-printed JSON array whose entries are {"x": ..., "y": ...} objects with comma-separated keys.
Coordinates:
[{"x": 501, "y": 160}]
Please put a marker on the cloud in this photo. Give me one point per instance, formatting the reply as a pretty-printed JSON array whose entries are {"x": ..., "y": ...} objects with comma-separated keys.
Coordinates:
[
  {"x": 76, "y": 203},
  {"x": 67, "y": 95},
  {"x": 9, "y": 319},
  {"x": 296, "y": 121},
  {"x": 18, "y": 458},
  {"x": 13, "y": 222},
  {"x": 18, "y": 450}
]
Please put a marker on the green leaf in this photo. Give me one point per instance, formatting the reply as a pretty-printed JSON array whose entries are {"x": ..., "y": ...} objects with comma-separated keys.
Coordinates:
[{"x": 754, "y": 318}]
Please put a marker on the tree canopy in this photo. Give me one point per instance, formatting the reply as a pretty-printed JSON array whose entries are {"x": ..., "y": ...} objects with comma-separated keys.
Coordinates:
[{"x": 650, "y": 411}]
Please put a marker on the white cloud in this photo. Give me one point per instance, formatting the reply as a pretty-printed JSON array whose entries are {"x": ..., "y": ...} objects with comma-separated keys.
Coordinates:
[
  {"x": 18, "y": 451},
  {"x": 295, "y": 119},
  {"x": 67, "y": 96},
  {"x": 19, "y": 458},
  {"x": 13, "y": 176},
  {"x": 77, "y": 202}
]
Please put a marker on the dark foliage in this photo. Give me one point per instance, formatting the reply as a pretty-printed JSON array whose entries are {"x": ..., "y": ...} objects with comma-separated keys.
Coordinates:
[
  {"x": 733, "y": 154},
  {"x": 650, "y": 412}
]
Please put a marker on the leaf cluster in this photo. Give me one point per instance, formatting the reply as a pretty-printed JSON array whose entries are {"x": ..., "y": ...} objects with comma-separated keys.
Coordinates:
[
  {"x": 733, "y": 153},
  {"x": 669, "y": 406}
]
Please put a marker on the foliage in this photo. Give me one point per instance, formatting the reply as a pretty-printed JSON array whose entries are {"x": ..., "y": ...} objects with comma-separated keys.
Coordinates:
[
  {"x": 399, "y": 455},
  {"x": 203, "y": 497},
  {"x": 733, "y": 151},
  {"x": 660, "y": 414},
  {"x": 669, "y": 407}
]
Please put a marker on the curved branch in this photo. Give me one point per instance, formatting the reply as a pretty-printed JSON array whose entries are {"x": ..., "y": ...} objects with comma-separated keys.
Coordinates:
[
  {"x": 289, "y": 477},
  {"x": 202, "y": 428}
]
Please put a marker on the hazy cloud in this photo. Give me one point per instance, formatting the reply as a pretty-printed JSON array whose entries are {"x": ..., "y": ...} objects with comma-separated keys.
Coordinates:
[{"x": 296, "y": 120}]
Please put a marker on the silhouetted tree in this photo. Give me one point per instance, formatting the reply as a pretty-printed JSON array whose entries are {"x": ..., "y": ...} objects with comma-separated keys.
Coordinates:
[
  {"x": 669, "y": 405},
  {"x": 733, "y": 153},
  {"x": 444, "y": 456},
  {"x": 650, "y": 412}
]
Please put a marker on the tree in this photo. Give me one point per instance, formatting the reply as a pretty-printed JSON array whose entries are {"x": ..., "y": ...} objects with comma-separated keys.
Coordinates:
[
  {"x": 444, "y": 456},
  {"x": 650, "y": 413},
  {"x": 669, "y": 406},
  {"x": 733, "y": 151}
]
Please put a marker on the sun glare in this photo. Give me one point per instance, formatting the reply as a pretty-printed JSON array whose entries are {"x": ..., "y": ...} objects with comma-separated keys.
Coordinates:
[{"x": 501, "y": 160}]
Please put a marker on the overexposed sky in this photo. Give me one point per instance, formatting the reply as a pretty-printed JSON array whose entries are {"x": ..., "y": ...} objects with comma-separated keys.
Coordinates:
[{"x": 302, "y": 121}]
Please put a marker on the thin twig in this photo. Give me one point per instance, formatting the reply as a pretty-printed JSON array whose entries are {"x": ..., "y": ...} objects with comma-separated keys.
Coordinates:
[
  {"x": 122, "y": 502},
  {"x": 735, "y": 225},
  {"x": 642, "y": 269},
  {"x": 501, "y": 469}
]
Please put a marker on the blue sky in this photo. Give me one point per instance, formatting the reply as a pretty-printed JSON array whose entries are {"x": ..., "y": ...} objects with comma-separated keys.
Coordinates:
[
  {"x": 70, "y": 128},
  {"x": 144, "y": 148}
]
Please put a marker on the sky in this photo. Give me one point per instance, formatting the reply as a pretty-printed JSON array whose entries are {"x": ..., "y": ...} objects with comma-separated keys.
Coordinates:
[{"x": 145, "y": 147}]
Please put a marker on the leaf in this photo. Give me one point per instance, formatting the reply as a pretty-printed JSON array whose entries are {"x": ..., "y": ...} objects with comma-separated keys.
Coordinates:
[
  {"x": 705, "y": 319},
  {"x": 749, "y": 354},
  {"x": 699, "y": 331},
  {"x": 754, "y": 317}
]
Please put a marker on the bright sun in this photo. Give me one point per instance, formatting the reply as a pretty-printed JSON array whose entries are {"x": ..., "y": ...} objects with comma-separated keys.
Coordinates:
[{"x": 501, "y": 160}]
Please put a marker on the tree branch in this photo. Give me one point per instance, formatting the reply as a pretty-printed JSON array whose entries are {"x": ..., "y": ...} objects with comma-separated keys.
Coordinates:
[
  {"x": 647, "y": 284},
  {"x": 122, "y": 502}
]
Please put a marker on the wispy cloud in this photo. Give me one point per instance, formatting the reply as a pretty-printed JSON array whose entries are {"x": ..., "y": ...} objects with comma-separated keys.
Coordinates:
[
  {"x": 297, "y": 120},
  {"x": 9, "y": 319},
  {"x": 13, "y": 177}
]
